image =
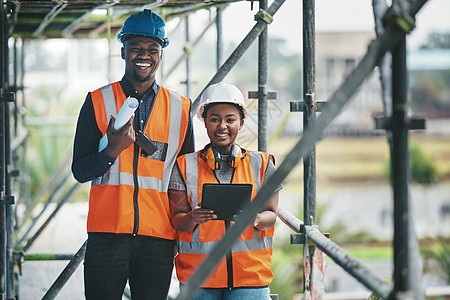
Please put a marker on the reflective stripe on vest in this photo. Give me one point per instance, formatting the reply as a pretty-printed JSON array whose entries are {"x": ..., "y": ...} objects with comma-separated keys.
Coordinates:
[
  {"x": 198, "y": 247},
  {"x": 256, "y": 164},
  {"x": 111, "y": 109},
  {"x": 115, "y": 177},
  {"x": 238, "y": 246}
]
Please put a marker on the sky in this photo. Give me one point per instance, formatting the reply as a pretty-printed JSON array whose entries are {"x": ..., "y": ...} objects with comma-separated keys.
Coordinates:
[{"x": 331, "y": 15}]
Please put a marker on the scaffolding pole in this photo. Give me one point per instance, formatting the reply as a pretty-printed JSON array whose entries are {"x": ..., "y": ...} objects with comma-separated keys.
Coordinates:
[
  {"x": 263, "y": 135},
  {"x": 25, "y": 191},
  {"x": 400, "y": 169},
  {"x": 3, "y": 93},
  {"x": 187, "y": 61},
  {"x": 309, "y": 115},
  {"x": 9, "y": 202},
  {"x": 219, "y": 36},
  {"x": 405, "y": 276}
]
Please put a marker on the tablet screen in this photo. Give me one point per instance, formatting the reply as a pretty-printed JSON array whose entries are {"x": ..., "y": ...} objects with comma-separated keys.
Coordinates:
[{"x": 226, "y": 200}]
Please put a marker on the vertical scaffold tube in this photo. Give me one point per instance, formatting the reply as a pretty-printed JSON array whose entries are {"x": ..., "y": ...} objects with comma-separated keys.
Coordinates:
[
  {"x": 263, "y": 135},
  {"x": 309, "y": 115}
]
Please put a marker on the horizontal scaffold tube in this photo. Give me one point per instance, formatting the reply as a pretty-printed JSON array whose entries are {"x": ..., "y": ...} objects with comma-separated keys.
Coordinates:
[
  {"x": 348, "y": 263},
  {"x": 289, "y": 219},
  {"x": 47, "y": 256}
]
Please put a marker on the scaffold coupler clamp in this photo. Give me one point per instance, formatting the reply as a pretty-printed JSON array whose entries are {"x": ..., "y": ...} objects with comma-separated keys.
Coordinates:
[
  {"x": 19, "y": 258},
  {"x": 301, "y": 238},
  {"x": 398, "y": 15},
  {"x": 7, "y": 96},
  {"x": 263, "y": 15},
  {"x": 412, "y": 123},
  {"x": 188, "y": 48}
]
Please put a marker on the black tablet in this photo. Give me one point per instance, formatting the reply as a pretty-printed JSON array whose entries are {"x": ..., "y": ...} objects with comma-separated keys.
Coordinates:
[{"x": 226, "y": 200}]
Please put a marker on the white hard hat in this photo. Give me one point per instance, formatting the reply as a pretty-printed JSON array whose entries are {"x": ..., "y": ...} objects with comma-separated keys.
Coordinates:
[{"x": 221, "y": 92}]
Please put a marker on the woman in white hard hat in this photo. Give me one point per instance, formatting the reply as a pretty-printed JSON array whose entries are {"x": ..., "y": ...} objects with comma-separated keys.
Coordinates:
[{"x": 245, "y": 272}]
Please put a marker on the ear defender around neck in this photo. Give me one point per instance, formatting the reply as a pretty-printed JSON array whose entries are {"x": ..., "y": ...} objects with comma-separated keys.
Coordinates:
[
  {"x": 235, "y": 156},
  {"x": 212, "y": 156}
]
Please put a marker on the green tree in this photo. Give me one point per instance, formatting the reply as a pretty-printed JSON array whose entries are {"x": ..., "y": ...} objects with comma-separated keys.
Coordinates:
[
  {"x": 437, "y": 258},
  {"x": 439, "y": 40},
  {"x": 422, "y": 169}
]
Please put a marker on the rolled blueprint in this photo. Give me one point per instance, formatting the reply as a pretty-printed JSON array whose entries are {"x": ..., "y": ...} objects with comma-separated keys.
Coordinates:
[{"x": 128, "y": 108}]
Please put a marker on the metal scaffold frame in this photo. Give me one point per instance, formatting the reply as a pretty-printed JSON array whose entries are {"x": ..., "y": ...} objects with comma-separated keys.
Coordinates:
[{"x": 398, "y": 21}]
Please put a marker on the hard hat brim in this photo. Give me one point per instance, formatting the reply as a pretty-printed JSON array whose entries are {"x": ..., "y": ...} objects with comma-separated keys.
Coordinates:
[
  {"x": 201, "y": 108},
  {"x": 126, "y": 37}
]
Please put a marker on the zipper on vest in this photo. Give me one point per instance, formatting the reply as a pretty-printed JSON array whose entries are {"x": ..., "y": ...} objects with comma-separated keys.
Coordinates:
[
  {"x": 229, "y": 260},
  {"x": 136, "y": 191}
]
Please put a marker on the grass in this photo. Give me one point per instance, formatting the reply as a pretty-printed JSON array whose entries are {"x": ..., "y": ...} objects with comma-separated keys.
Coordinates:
[{"x": 364, "y": 252}]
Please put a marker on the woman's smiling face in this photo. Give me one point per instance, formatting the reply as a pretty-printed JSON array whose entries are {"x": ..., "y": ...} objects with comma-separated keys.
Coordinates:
[{"x": 223, "y": 122}]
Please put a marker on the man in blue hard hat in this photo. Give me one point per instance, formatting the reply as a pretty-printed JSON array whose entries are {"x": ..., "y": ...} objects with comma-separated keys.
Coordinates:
[{"x": 130, "y": 236}]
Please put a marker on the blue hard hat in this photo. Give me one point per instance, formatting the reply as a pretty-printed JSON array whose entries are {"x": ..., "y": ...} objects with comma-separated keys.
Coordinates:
[{"x": 145, "y": 23}]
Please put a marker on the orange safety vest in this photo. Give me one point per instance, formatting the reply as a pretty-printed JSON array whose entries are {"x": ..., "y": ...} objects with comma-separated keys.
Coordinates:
[
  {"x": 132, "y": 196},
  {"x": 251, "y": 255}
]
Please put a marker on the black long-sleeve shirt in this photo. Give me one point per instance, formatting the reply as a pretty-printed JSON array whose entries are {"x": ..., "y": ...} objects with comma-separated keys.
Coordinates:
[{"x": 88, "y": 163}]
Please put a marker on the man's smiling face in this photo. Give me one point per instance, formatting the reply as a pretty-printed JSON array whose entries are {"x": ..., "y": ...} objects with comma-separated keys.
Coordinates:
[{"x": 142, "y": 57}]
